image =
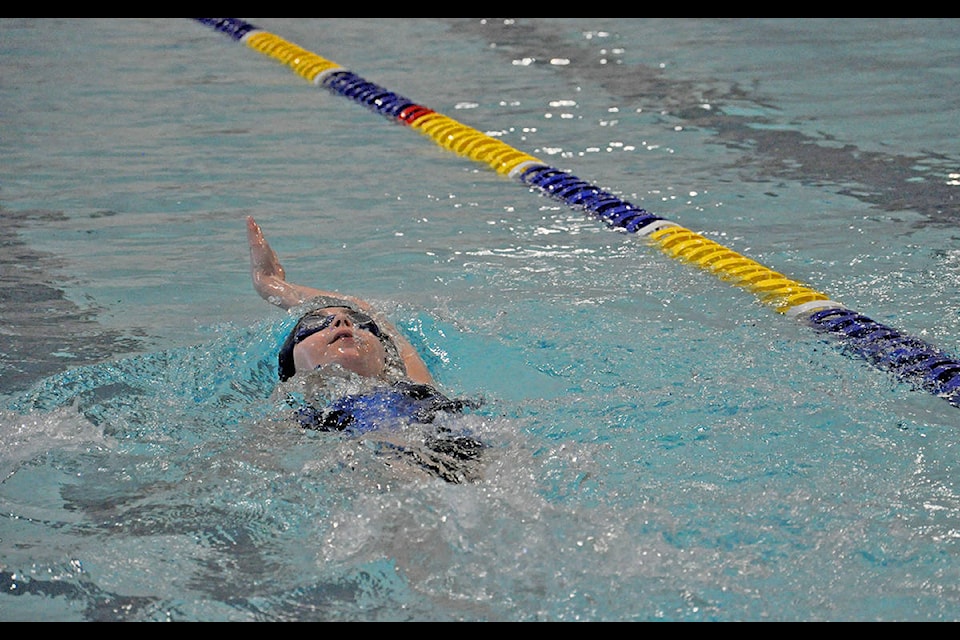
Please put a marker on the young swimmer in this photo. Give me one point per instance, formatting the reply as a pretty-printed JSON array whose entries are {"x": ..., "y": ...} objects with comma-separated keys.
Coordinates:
[{"x": 349, "y": 369}]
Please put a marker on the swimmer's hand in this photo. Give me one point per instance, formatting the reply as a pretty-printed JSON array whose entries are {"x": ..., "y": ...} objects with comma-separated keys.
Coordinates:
[
  {"x": 264, "y": 262},
  {"x": 269, "y": 278}
]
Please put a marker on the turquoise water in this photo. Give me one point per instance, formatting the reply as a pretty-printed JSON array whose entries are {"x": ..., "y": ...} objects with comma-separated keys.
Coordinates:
[{"x": 663, "y": 447}]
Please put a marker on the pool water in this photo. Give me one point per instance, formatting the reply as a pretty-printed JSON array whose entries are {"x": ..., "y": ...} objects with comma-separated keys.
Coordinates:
[{"x": 661, "y": 445}]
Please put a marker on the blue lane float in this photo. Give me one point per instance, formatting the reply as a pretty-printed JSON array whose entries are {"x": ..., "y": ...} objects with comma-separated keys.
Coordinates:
[{"x": 910, "y": 359}]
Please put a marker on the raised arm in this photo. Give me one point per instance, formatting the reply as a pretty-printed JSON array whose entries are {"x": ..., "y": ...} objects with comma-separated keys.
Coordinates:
[{"x": 269, "y": 280}]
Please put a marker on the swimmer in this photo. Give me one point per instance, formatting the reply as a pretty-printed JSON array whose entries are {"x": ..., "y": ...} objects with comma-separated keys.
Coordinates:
[{"x": 354, "y": 371}]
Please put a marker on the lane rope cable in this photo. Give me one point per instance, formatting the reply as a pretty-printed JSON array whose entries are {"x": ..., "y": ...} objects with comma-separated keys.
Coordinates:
[{"x": 910, "y": 359}]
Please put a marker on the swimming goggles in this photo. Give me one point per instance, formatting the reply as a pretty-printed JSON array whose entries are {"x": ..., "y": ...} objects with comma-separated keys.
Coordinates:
[{"x": 315, "y": 322}]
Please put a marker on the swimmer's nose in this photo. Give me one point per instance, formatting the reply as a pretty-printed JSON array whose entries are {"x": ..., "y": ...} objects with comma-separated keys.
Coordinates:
[{"x": 342, "y": 319}]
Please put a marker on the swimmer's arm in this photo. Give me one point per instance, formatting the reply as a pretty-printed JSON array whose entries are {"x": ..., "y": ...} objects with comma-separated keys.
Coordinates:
[
  {"x": 416, "y": 368},
  {"x": 269, "y": 277},
  {"x": 269, "y": 280}
]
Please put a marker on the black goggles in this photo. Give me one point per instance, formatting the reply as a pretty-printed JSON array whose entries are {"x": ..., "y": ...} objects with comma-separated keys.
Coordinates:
[{"x": 314, "y": 322}]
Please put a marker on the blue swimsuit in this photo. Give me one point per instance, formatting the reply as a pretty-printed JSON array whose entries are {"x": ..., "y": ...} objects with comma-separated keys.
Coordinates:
[{"x": 400, "y": 403}]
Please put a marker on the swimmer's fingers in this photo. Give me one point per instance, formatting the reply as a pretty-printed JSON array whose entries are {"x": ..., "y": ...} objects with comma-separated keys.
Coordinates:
[
  {"x": 263, "y": 259},
  {"x": 255, "y": 236}
]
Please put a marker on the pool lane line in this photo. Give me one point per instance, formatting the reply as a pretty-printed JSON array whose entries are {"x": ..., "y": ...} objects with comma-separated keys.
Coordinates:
[{"x": 910, "y": 359}]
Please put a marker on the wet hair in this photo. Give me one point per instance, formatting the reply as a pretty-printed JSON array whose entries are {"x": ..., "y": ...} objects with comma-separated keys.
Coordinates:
[{"x": 393, "y": 364}]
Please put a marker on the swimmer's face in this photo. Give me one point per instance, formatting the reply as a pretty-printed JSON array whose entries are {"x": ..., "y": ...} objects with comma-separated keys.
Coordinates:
[{"x": 337, "y": 335}]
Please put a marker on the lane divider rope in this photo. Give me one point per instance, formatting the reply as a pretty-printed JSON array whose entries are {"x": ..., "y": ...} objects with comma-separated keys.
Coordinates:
[{"x": 910, "y": 359}]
